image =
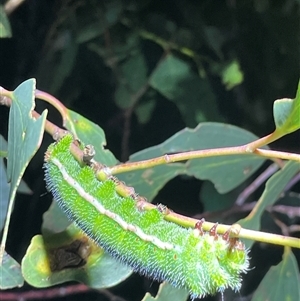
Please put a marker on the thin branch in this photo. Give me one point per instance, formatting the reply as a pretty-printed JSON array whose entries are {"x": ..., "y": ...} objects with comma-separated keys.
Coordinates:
[
  {"x": 183, "y": 156},
  {"x": 44, "y": 293},
  {"x": 56, "y": 292},
  {"x": 290, "y": 211},
  {"x": 255, "y": 184}
]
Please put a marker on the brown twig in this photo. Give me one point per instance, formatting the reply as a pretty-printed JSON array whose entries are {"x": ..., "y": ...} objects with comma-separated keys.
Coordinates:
[
  {"x": 55, "y": 292},
  {"x": 255, "y": 184},
  {"x": 44, "y": 293}
]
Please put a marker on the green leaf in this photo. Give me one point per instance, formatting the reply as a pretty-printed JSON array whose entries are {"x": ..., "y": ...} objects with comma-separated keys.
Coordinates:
[
  {"x": 274, "y": 187},
  {"x": 5, "y": 29},
  {"x": 10, "y": 273},
  {"x": 215, "y": 39},
  {"x": 90, "y": 133},
  {"x": 4, "y": 194},
  {"x": 232, "y": 75},
  {"x": 24, "y": 135},
  {"x": 167, "y": 292},
  {"x": 24, "y": 132},
  {"x": 144, "y": 110},
  {"x": 90, "y": 25},
  {"x": 286, "y": 113},
  {"x": 5, "y": 186},
  {"x": 133, "y": 77},
  {"x": 70, "y": 256},
  {"x": 282, "y": 282},
  {"x": 64, "y": 66},
  {"x": 120, "y": 48},
  {"x": 193, "y": 96},
  {"x": 226, "y": 172}
]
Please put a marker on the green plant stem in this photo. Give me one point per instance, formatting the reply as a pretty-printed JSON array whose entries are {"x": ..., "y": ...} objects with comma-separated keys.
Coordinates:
[
  {"x": 222, "y": 228},
  {"x": 54, "y": 102},
  {"x": 252, "y": 146},
  {"x": 224, "y": 151}
]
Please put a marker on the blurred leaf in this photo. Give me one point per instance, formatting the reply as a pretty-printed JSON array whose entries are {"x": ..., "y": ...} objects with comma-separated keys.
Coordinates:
[
  {"x": 144, "y": 110},
  {"x": 5, "y": 29},
  {"x": 193, "y": 96},
  {"x": 94, "y": 20},
  {"x": 226, "y": 172},
  {"x": 282, "y": 282},
  {"x": 286, "y": 113},
  {"x": 215, "y": 38},
  {"x": 70, "y": 256},
  {"x": 133, "y": 77},
  {"x": 119, "y": 50},
  {"x": 167, "y": 292},
  {"x": 10, "y": 273},
  {"x": 90, "y": 133},
  {"x": 232, "y": 75},
  {"x": 274, "y": 187},
  {"x": 63, "y": 66}
]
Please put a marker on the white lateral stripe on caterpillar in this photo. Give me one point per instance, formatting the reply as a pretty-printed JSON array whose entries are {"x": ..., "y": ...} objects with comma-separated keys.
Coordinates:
[{"x": 94, "y": 202}]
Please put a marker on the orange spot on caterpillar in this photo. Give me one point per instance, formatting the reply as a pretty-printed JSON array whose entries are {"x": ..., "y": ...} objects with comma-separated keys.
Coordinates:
[
  {"x": 198, "y": 231},
  {"x": 230, "y": 237},
  {"x": 225, "y": 236},
  {"x": 213, "y": 231}
]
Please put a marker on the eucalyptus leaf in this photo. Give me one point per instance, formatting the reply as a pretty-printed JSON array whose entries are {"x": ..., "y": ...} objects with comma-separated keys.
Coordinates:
[
  {"x": 10, "y": 273},
  {"x": 286, "y": 113},
  {"x": 283, "y": 279},
  {"x": 226, "y": 172}
]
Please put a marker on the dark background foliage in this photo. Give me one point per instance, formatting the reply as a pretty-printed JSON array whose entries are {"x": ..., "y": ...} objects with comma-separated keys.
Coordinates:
[{"x": 99, "y": 58}]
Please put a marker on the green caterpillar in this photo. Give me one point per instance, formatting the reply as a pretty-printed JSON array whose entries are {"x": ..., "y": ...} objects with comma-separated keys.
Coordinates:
[{"x": 203, "y": 263}]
